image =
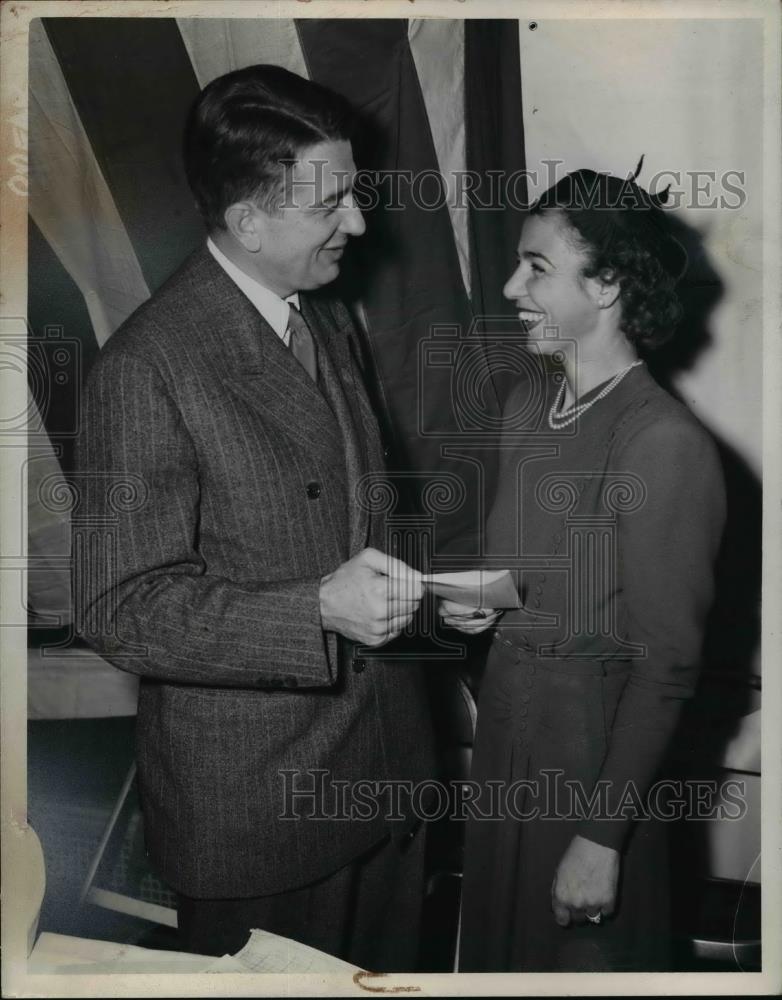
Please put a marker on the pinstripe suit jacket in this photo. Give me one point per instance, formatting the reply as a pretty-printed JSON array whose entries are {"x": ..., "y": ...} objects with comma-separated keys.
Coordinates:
[{"x": 207, "y": 585}]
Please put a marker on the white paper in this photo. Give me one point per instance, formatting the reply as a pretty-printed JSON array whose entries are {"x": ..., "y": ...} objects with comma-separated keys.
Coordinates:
[
  {"x": 266, "y": 952},
  {"x": 476, "y": 588}
]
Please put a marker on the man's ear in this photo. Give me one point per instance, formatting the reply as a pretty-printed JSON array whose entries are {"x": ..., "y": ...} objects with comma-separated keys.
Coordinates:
[
  {"x": 244, "y": 222},
  {"x": 604, "y": 288}
]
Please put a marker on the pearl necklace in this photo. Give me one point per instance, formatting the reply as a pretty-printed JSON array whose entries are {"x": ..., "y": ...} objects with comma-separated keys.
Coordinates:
[{"x": 559, "y": 420}]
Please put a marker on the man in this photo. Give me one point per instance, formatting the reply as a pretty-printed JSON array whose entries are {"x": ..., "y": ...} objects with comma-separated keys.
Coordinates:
[{"x": 245, "y": 567}]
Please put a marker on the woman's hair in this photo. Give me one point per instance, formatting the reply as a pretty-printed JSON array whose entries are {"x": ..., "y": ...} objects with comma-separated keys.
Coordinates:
[
  {"x": 245, "y": 127},
  {"x": 626, "y": 238}
]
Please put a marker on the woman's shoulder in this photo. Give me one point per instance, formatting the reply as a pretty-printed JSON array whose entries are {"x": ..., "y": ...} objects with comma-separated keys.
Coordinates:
[{"x": 659, "y": 427}]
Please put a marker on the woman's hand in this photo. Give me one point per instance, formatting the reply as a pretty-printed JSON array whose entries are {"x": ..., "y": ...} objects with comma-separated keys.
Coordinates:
[
  {"x": 585, "y": 883},
  {"x": 471, "y": 621}
]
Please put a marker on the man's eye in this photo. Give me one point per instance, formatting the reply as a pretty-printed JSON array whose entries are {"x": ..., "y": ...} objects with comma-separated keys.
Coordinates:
[{"x": 537, "y": 268}]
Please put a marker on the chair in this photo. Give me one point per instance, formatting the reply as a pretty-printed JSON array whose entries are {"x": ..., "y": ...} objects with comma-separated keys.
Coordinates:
[{"x": 116, "y": 901}]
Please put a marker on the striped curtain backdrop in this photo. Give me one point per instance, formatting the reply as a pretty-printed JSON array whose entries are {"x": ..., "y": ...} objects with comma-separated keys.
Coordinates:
[{"x": 111, "y": 215}]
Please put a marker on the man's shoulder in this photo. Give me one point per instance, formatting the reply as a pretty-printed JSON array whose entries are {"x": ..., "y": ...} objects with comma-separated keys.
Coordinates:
[{"x": 172, "y": 314}]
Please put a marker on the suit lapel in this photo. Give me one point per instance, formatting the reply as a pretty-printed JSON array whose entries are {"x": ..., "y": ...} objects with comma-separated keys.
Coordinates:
[
  {"x": 333, "y": 420},
  {"x": 284, "y": 392},
  {"x": 255, "y": 364},
  {"x": 344, "y": 396}
]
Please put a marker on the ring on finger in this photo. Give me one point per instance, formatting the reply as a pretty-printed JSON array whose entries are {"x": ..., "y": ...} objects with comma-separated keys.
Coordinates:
[{"x": 594, "y": 918}]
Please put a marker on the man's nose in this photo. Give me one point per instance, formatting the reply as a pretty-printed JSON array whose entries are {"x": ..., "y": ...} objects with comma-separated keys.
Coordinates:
[{"x": 352, "y": 220}]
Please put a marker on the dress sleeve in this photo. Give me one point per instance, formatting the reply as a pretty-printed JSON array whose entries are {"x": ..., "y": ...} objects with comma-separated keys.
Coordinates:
[{"x": 667, "y": 549}]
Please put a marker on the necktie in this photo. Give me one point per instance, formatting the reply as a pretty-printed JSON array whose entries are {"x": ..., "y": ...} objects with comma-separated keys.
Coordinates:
[{"x": 302, "y": 343}]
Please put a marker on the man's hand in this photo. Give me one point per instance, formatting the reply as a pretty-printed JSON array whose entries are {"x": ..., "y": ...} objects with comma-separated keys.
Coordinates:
[
  {"x": 371, "y": 598},
  {"x": 471, "y": 621},
  {"x": 585, "y": 883}
]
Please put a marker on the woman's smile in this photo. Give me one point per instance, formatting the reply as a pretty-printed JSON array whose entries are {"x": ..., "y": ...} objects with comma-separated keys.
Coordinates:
[{"x": 530, "y": 318}]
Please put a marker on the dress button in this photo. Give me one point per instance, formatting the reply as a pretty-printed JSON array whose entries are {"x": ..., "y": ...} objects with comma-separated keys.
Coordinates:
[
  {"x": 538, "y": 589},
  {"x": 527, "y": 683},
  {"x": 313, "y": 490},
  {"x": 522, "y": 711},
  {"x": 536, "y": 602},
  {"x": 359, "y": 664},
  {"x": 522, "y": 725},
  {"x": 525, "y": 697},
  {"x": 542, "y": 578}
]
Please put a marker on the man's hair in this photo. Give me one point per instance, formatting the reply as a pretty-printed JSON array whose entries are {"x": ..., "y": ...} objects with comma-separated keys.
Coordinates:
[{"x": 242, "y": 129}]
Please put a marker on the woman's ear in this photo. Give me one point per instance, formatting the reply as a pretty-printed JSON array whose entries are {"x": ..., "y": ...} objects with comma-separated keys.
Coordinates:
[{"x": 604, "y": 288}]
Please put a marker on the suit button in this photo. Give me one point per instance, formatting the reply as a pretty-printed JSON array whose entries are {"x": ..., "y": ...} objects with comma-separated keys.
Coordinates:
[
  {"x": 359, "y": 664},
  {"x": 313, "y": 490},
  {"x": 386, "y": 453}
]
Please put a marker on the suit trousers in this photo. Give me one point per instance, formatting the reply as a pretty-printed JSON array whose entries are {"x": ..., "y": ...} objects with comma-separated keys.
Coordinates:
[{"x": 367, "y": 913}]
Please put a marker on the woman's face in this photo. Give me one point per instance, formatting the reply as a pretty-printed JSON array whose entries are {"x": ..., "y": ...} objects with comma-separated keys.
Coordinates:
[{"x": 554, "y": 301}]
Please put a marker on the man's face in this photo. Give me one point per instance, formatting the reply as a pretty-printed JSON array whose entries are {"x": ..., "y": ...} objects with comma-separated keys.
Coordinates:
[{"x": 302, "y": 243}]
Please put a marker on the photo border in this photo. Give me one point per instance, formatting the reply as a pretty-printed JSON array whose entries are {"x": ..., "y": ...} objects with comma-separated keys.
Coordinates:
[{"x": 16, "y": 842}]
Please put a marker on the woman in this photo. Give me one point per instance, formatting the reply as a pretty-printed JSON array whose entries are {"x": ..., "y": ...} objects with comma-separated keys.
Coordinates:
[{"x": 612, "y": 505}]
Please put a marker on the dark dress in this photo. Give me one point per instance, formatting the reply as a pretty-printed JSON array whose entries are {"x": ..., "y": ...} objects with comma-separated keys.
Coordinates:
[{"x": 615, "y": 522}]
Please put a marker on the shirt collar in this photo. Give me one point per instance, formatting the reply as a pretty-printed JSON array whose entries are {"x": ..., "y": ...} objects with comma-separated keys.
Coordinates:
[{"x": 273, "y": 309}]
